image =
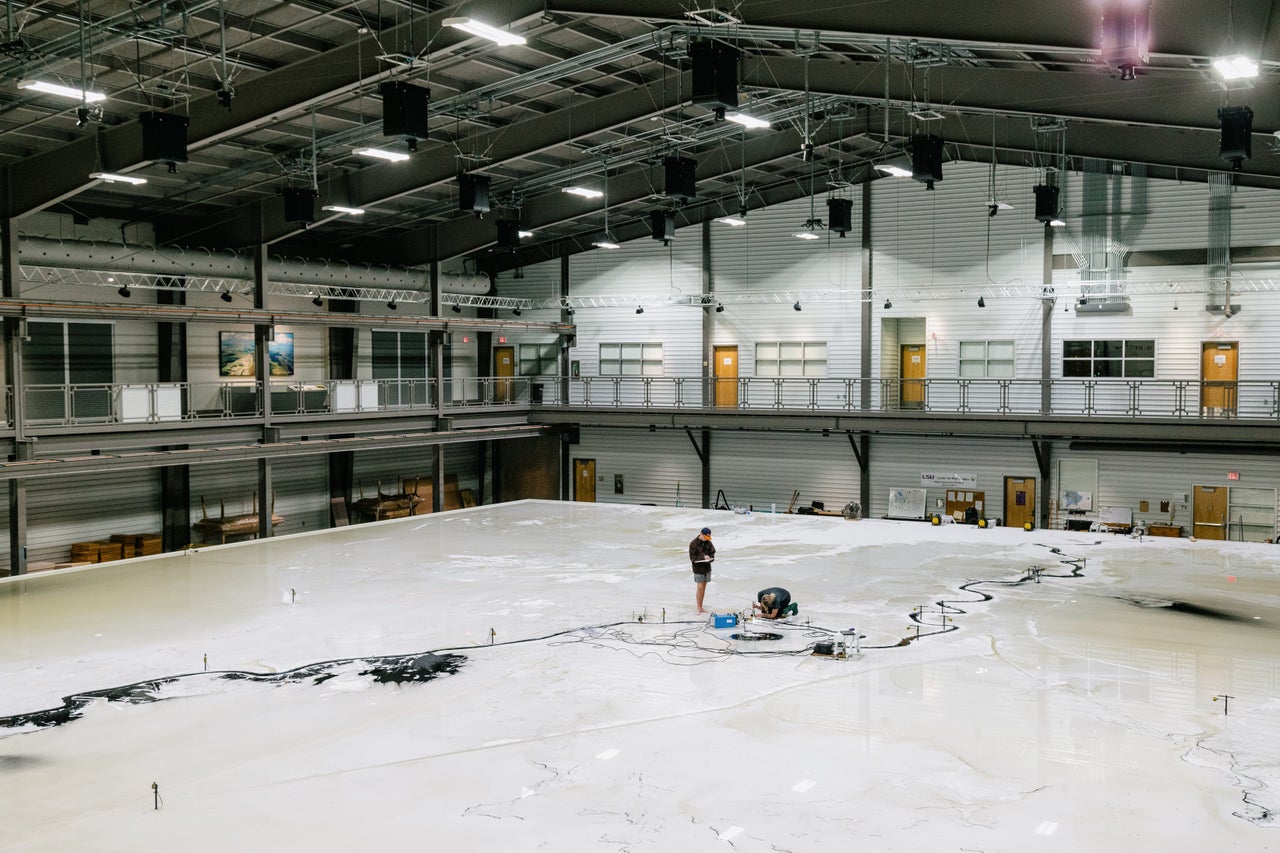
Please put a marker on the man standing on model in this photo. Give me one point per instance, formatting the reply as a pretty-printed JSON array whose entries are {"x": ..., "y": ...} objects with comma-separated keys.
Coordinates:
[{"x": 701, "y": 553}]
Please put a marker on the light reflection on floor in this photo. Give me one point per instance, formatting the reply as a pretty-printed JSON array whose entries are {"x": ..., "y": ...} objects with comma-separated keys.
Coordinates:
[{"x": 1073, "y": 713}]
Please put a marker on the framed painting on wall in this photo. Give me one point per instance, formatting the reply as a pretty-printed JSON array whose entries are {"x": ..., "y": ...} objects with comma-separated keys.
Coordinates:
[{"x": 236, "y": 351}]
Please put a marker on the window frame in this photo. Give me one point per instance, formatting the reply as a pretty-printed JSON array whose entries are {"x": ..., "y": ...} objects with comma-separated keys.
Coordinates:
[
  {"x": 788, "y": 362},
  {"x": 986, "y": 360},
  {"x": 541, "y": 359},
  {"x": 647, "y": 358},
  {"x": 1109, "y": 358}
]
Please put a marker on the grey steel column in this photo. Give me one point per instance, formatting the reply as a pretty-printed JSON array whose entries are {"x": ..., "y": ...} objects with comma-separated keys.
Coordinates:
[
  {"x": 708, "y": 320},
  {"x": 864, "y": 370},
  {"x": 566, "y": 475},
  {"x": 14, "y": 331},
  {"x": 262, "y": 338},
  {"x": 1047, "y": 303},
  {"x": 437, "y": 374}
]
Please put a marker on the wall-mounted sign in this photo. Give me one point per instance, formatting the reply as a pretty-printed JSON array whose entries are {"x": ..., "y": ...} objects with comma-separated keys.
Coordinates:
[
  {"x": 964, "y": 481},
  {"x": 1233, "y": 475}
]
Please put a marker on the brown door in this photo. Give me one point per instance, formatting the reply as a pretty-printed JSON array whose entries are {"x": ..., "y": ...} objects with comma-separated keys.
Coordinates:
[
  {"x": 1219, "y": 363},
  {"x": 584, "y": 480},
  {"x": 1209, "y": 512},
  {"x": 726, "y": 373},
  {"x": 1019, "y": 501},
  {"x": 504, "y": 367},
  {"x": 912, "y": 376}
]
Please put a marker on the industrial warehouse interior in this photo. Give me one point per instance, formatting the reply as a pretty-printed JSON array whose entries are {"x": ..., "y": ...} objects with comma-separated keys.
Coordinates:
[{"x": 380, "y": 359}]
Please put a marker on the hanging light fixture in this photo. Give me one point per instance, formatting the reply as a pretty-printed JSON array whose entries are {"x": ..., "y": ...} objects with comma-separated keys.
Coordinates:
[{"x": 606, "y": 240}]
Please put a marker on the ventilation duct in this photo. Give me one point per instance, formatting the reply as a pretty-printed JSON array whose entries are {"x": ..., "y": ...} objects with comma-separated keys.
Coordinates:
[
  {"x": 1109, "y": 225},
  {"x": 144, "y": 260}
]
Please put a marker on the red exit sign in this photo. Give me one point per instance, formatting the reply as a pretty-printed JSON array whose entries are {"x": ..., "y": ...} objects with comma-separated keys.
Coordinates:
[{"x": 1233, "y": 475}]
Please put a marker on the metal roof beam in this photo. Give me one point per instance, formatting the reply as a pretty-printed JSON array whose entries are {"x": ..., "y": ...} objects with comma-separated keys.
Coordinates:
[
  {"x": 51, "y": 176},
  {"x": 432, "y": 165}
]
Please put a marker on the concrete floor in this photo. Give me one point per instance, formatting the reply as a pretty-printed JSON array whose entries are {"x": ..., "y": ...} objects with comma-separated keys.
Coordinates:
[{"x": 1077, "y": 713}]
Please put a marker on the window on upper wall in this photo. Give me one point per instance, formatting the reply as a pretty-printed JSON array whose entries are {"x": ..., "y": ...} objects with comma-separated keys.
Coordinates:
[
  {"x": 400, "y": 360},
  {"x": 1116, "y": 359},
  {"x": 637, "y": 359},
  {"x": 59, "y": 353},
  {"x": 791, "y": 358},
  {"x": 539, "y": 359},
  {"x": 986, "y": 359}
]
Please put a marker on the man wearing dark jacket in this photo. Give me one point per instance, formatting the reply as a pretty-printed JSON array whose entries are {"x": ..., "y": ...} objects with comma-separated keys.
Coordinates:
[{"x": 701, "y": 553}]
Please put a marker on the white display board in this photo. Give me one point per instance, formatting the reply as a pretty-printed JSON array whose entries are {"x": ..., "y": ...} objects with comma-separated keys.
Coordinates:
[{"x": 906, "y": 503}]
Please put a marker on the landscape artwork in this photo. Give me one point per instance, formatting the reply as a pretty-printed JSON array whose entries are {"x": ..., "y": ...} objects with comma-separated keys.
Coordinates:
[{"x": 235, "y": 354}]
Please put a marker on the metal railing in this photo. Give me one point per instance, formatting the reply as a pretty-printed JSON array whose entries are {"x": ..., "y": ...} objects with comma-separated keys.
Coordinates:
[
  {"x": 160, "y": 402},
  {"x": 1161, "y": 398}
]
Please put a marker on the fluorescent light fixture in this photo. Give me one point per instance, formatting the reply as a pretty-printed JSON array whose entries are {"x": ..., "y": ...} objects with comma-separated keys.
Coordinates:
[
  {"x": 585, "y": 192},
  {"x": 340, "y": 208},
  {"x": 117, "y": 179},
  {"x": 735, "y": 221},
  {"x": 606, "y": 241},
  {"x": 1236, "y": 67},
  {"x": 806, "y": 235},
  {"x": 892, "y": 167},
  {"x": 1056, "y": 223},
  {"x": 382, "y": 154},
  {"x": 64, "y": 91},
  {"x": 746, "y": 120},
  {"x": 524, "y": 235},
  {"x": 477, "y": 28}
]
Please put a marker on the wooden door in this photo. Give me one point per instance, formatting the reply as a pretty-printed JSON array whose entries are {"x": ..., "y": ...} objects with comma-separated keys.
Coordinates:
[
  {"x": 504, "y": 367},
  {"x": 726, "y": 374},
  {"x": 1019, "y": 501},
  {"x": 584, "y": 480},
  {"x": 1219, "y": 371},
  {"x": 1209, "y": 512},
  {"x": 912, "y": 376}
]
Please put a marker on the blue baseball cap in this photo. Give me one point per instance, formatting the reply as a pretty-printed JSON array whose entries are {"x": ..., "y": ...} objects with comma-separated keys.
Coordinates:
[{"x": 706, "y": 531}]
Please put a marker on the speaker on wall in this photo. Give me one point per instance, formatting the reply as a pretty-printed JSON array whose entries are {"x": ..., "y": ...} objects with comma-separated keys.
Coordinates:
[
  {"x": 164, "y": 138},
  {"x": 926, "y": 159},
  {"x": 473, "y": 193},
  {"x": 840, "y": 215},
  {"x": 680, "y": 180},
  {"x": 715, "y": 74},
  {"x": 404, "y": 110}
]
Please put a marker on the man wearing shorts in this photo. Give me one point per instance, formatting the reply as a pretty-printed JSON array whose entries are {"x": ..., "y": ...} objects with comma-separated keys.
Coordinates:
[{"x": 701, "y": 553}]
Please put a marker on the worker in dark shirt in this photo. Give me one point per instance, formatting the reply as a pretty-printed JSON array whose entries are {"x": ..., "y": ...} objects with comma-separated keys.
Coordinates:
[
  {"x": 701, "y": 554},
  {"x": 774, "y": 603}
]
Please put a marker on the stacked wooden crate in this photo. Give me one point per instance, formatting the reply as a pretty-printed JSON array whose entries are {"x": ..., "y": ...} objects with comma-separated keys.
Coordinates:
[{"x": 120, "y": 546}]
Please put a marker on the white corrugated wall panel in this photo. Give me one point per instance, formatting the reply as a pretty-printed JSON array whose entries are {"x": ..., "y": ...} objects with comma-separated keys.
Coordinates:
[
  {"x": 301, "y": 486},
  {"x": 643, "y": 269},
  {"x": 898, "y": 462},
  {"x": 945, "y": 239},
  {"x": 1127, "y": 478},
  {"x": 228, "y": 489},
  {"x": 652, "y": 465},
  {"x": 761, "y": 470},
  {"x": 764, "y": 256},
  {"x": 88, "y": 508},
  {"x": 391, "y": 468}
]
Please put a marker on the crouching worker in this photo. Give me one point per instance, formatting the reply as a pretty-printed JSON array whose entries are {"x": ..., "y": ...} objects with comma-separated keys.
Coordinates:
[{"x": 774, "y": 603}]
